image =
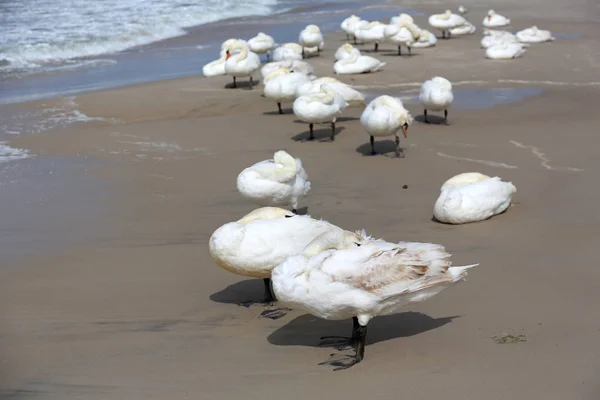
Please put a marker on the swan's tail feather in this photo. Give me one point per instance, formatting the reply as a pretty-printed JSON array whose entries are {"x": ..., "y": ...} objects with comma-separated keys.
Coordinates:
[{"x": 460, "y": 273}]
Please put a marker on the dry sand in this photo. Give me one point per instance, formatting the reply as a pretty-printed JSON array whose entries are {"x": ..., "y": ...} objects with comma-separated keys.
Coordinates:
[{"x": 146, "y": 314}]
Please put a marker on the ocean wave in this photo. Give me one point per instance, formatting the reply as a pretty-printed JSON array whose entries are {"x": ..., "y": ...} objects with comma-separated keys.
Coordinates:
[
  {"x": 8, "y": 153},
  {"x": 36, "y": 33}
]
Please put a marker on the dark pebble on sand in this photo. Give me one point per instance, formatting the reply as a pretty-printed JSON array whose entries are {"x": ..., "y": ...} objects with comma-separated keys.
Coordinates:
[{"x": 404, "y": 186}]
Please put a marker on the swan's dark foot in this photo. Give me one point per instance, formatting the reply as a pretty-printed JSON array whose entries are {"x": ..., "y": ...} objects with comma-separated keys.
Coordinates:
[
  {"x": 343, "y": 362},
  {"x": 275, "y": 313},
  {"x": 250, "y": 303},
  {"x": 327, "y": 140},
  {"x": 268, "y": 300},
  {"x": 396, "y": 155},
  {"x": 338, "y": 342}
]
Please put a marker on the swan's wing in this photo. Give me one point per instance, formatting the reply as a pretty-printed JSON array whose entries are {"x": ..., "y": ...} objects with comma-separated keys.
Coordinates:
[
  {"x": 271, "y": 171},
  {"x": 387, "y": 270}
]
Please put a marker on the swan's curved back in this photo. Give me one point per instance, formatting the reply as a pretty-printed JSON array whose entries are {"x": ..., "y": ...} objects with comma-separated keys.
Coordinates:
[
  {"x": 442, "y": 83},
  {"x": 337, "y": 239},
  {"x": 268, "y": 213},
  {"x": 465, "y": 178},
  {"x": 275, "y": 73}
]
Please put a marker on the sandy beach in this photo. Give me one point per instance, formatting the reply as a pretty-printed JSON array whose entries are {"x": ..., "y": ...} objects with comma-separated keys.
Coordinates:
[{"x": 139, "y": 309}]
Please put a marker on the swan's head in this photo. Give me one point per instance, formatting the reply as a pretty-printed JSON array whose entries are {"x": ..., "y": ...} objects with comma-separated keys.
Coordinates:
[
  {"x": 490, "y": 14},
  {"x": 347, "y": 47},
  {"x": 466, "y": 178},
  {"x": 284, "y": 158},
  {"x": 337, "y": 239},
  {"x": 265, "y": 213},
  {"x": 402, "y": 114}
]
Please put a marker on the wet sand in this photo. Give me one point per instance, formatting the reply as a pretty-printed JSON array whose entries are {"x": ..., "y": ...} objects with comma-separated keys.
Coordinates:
[{"x": 146, "y": 314}]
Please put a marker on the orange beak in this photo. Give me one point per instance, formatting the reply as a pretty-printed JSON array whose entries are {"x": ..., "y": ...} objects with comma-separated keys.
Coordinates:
[
  {"x": 405, "y": 131},
  {"x": 227, "y": 55}
]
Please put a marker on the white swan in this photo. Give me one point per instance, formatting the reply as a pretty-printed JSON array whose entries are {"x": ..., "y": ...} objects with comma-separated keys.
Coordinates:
[
  {"x": 356, "y": 63},
  {"x": 310, "y": 37},
  {"x": 466, "y": 29},
  {"x": 403, "y": 33},
  {"x": 261, "y": 240},
  {"x": 426, "y": 39},
  {"x": 354, "y": 25},
  {"x": 436, "y": 95},
  {"x": 534, "y": 35},
  {"x": 281, "y": 181},
  {"x": 281, "y": 84},
  {"x": 288, "y": 51},
  {"x": 498, "y": 39},
  {"x": 505, "y": 51},
  {"x": 462, "y": 10},
  {"x": 262, "y": 44},
  {"x": 386, "y": 116},
  {"x": 493, "y": 20},
  {"x": 446, "y": 21},
  {"x": 371, "y": 32},
  {"x": 353, "y": 97},
  {"x": 241, "y": 64},
  {"x": 320, "y": 108},
  {"x": 342, "y": 275},
  {"x": 402, "y": 17},
  {"x": 346, "y": 24},
  {"x": 217, "y": 67},
  {"x": 345, "y": 51},
  {"x": 292, "y": 65},
  {"x": 471, "y": 197}
]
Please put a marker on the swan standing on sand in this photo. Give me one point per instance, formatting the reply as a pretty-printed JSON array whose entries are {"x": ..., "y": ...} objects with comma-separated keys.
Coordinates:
[
  {"x": 534, "y": 35},
  {"x": 261, "y": 240},
  {"x": 279, "y": 182},
  {"x": 310, "y": 37},
  {"x": 217, "y": 67},
  {"x": 320, "y": 108},
  {"x": 281, "y": 84},
  {"x": 241, "y": 64},
  {"x": 446, "y": 21},
  {"x": 471, "y": 197},
  {"x": 288, "y": 51},
  {"x": 345, "y": 25},
  {"x": 345, "y": 51},
  {"x": 505, "y": 51},
  {"x": 493, "y": 20},
  {"x": 426, "y": 39},
  {"x": 292, "y": 65},
  {"x": 386, "y": 116},
  {"x": 353, "y": 97},
  {"x": 356, "y": 63},
  {"x": 342, "y": 275},
  {"x": 403, "y": 33},
  {"x": 262, "y": 44},
  {"x": 371, "y": 32},
  {"x": 436, "y": 95}
]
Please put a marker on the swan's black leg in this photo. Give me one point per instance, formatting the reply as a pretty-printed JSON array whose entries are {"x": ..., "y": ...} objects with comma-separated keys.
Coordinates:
[
  {"x": 446, "y": 116},
  {"x": 399, "y": 152},
  {"x": 234, "y": 82},
  {"x": 341, "y": 342},
  {"x": 279, "y": 107},
  {"x": 399, "y": 50},
  {"x": 425, "y": 115},
  {"x": 302, "y": 52},
  {"x": 332, "y": 131},
  {"x": 409, "y": 51},
  {"x": 250, "y": 85},
  {"x": 376, "y": 47},
  {"x": 359, "y": 355},
  {"x": 443, "y": 34},
  {"x": 312, "y": 135},
  {"x": 372, "y": 140},
  {"x": 273, "y": 313},
  {"x": 449, "y": 34}
]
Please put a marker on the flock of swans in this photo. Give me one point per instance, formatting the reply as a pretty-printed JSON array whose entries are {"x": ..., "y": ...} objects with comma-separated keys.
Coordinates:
[{"x": 310, "y": 264}]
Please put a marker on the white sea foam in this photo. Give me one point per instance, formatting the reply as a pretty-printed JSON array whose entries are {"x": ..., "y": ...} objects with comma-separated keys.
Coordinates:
[
  {"x": 8, "y": 153},
  {"x": 38, "y": 33}
]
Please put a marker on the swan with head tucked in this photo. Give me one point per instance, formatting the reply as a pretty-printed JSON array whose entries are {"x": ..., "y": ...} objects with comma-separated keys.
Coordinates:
[
  {"x": 465, "y": 29},
  {"x": 426, "y": 39},
  {"x": 241, "y": 64},
  {"x": 402, "y": 17},
  {"x": 310, "y": 37},
  {"x": 261, "y": 240},
  {"x": 446, "y": 21},
  {"x": 462, "y": 10},
  {"x": 534, "y": 35},
  {"x": 345, "y": 25},
  {"x": 353, "y": 97},
  {"x": 386, "y": 116},
  {"x": 402, "y": 33},
  {"x": 493, "y": 20},
  {"x": 292, "y": 65},
  {"x": 370, "y": 32},
  {"x": 505, "y": 51},
  {"x": 342, "y": 275},
  {"x": 217, "y": 67},
  {"x": 472, "y": 197},
  {"x": 501, "y": 37},
  {"x": 345, "y": 51},
  {"x": 281, "y": 84},
  {"x": 262, "y": 44},
  {"x": 436, "y": 95},
  {"x": 320, "y": 108},
  {"x": 356, "y": 63},
  {"x": 288, "y": 51},
  {"x": 279, "y": 182}
]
